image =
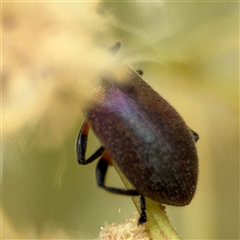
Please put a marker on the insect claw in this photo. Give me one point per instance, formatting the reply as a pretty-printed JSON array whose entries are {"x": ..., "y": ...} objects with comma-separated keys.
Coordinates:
[{"x": 143, "y": 218}]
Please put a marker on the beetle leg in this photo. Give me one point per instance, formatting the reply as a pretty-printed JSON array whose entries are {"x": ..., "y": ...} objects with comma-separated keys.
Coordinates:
[
  {"x": 195, "y": 135},
  {"x": 82, "y": 146},
  {"x": 143, "y": 216},
  {"x": 101, "y": 171}
]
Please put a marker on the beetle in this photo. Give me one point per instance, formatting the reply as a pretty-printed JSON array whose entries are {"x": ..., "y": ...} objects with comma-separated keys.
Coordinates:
[{"x": 145, "y": 136}]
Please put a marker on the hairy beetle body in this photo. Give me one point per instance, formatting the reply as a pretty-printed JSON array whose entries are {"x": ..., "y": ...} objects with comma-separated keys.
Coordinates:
[{"x": 147, "y": 139}]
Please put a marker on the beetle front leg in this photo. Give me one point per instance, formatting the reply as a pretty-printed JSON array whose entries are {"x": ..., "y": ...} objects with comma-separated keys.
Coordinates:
[{"x": 81, "y": 146}]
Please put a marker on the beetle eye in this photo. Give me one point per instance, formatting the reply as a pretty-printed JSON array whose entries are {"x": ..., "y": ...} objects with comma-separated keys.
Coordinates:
[{"x": 140, "y": 72}]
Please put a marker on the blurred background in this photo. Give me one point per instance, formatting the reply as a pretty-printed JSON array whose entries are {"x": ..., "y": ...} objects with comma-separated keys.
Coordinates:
[{"x": 52, "y": 54}]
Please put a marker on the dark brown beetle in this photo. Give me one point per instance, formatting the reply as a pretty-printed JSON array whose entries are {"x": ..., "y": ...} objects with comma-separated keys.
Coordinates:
[{"x": 146, "y": 137}]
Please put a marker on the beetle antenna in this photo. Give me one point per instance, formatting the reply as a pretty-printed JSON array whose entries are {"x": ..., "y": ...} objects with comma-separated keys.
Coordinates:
[{"x": 114, "y": 48}]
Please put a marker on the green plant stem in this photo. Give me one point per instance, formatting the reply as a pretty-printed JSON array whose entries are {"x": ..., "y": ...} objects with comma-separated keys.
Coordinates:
[{"x": 158, "y": 223}]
